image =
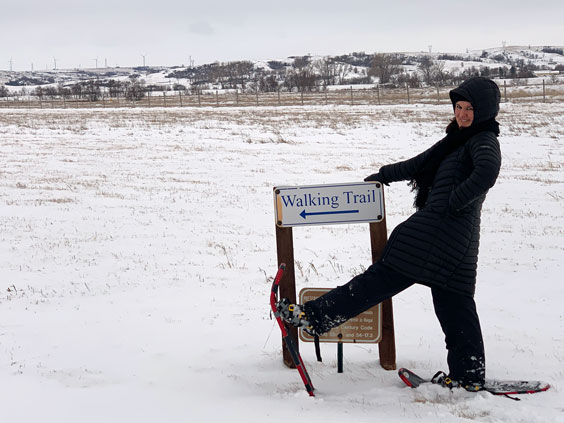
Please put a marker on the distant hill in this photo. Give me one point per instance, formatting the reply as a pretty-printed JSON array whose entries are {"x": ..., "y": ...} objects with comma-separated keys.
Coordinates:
[{"x": 302, "y": 72}]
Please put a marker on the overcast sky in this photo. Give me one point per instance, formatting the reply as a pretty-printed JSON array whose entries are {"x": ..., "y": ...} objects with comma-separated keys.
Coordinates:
[{"x": 170, "y": 32}]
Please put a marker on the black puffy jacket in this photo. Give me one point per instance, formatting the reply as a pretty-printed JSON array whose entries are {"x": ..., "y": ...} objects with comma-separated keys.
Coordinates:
[{"x": 438, "y": 245}]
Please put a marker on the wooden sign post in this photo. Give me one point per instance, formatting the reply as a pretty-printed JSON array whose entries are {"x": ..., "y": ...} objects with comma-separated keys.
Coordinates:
[{"x": 332, "y": 204}]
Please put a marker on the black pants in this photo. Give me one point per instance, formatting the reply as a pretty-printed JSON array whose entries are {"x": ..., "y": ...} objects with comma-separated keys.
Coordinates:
[{"x": 456, "y": 313}]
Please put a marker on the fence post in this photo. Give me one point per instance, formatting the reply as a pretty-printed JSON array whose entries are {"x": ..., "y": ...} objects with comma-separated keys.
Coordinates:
[
  {"x": 217, "y": 98},
  {"x": 352, "y": 97},
  {"x": 438, "y": 95},
  {"x": 279, "y": 96},
  {"x": 302, "y": 98},
  {"x": 199, "y": 99},
  {"x": 164, "y": 98},
  {"x": 378, "y": 93},
  {"x": 237, "y": 96},
  {"x": 543, "y": 91},
  {"x": 505, "y": 90},
  {"x": 407, "y": 88},
  {"x": 257, "y": 97},
  {"x": 180, "y": 97}
]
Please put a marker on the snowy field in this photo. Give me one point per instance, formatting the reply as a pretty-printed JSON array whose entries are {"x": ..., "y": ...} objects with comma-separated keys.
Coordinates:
[{"x": 137, "y": 250}]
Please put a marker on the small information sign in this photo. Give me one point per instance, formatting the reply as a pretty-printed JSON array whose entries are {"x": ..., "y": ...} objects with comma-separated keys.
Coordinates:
[
  {"x": 359, "y": 202},
  {"x": 365, "y": 328}
]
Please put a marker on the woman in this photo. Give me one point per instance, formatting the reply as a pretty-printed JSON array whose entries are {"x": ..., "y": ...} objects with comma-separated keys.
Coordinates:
[{"x": 438, "y": 245}]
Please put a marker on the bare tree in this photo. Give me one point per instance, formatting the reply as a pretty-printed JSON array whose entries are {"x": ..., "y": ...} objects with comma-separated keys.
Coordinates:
[
  {"x": 412, "y": 80},
  {"x": 326, "y": 69},
  {"x": 384, "y": 66},
  {"x": 301, "y": 75},
  {"x": 433, "y": 72},
  {"x": 93, "y": 90},
  {"x": 135, "y": 89},
  {"x": 303, "y": 80},
  {"x": 426, "y": 69},
  {"x": 440, "y": 74},
  {"x": 243, "y": 72},
  {"x": 268, "y": 84},
  {"x": 330, "y": 71},
  {"x": 341, "y": 72},
  {"x": 4, "y": 91}
]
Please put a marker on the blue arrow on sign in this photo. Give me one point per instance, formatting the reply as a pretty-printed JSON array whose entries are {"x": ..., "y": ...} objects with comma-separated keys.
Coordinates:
[{"x": 304, "y": 214}]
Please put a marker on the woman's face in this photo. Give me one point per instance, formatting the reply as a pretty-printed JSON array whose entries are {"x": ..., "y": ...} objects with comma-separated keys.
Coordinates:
[{"x": 463, "y": 113}]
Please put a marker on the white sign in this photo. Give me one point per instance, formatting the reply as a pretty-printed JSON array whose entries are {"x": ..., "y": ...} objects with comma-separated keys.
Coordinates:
[{"x": 329, "y": 204}]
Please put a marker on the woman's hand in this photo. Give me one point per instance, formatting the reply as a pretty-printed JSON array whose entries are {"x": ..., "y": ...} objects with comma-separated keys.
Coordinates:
[{"x": 375, "y": 177}]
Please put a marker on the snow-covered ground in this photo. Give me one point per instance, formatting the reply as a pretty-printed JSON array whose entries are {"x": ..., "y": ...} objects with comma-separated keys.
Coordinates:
[{"x": 137, "y": 249}]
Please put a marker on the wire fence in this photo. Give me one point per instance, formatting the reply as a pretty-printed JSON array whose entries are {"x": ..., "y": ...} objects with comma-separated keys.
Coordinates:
[{"x": 376, "y": 95}]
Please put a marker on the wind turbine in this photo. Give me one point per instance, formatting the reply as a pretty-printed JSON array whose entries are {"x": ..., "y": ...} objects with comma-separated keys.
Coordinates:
[
  {"x": 11, "y": 63},
  {"x": 55, "y": 63},
  {"x": 144, "y": 56},
  {"x": 96, "y": 60}
]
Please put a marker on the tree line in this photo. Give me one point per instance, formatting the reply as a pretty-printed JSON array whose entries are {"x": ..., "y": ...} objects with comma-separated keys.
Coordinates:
[{"x": 301, "y": 74}]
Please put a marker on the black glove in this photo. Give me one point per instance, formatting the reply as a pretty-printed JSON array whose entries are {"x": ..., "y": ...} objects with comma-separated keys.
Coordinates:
[{"x": 375, "y": 177}]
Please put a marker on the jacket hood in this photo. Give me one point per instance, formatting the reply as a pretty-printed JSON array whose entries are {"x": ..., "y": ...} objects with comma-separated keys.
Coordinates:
[{"x": 482, "y": 93}]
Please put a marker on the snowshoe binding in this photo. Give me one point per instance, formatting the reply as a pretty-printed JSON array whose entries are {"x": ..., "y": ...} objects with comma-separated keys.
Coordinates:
[
  {"x": 441, "y": 378},
  {"x": 293, "y": 314}
]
